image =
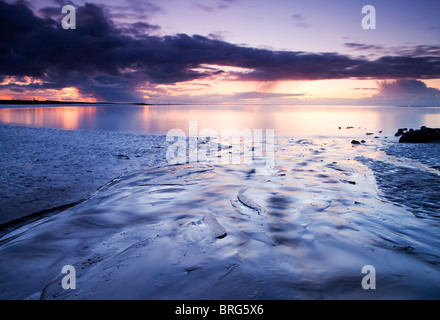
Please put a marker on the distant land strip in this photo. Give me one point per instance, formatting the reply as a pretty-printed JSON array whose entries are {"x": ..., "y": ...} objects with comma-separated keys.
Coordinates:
[{"x": 45, "y": 102}]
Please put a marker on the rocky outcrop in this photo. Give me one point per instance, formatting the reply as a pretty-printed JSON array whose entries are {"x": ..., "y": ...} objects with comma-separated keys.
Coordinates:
[{"x": 419, "y": 136}]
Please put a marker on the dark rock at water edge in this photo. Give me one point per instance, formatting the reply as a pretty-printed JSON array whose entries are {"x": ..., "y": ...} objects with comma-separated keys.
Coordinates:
[
  {"x": 401, "y": 132},
  {"x": 420, "y": 136}
]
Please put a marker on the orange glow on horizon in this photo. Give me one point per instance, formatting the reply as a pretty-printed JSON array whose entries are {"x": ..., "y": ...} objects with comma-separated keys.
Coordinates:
[
  {"x": 4, "y": 97},
  {"x": 67, "y": 118},
  {"x": 64, "y": 94},
  {"x": 195, "y": 91}
]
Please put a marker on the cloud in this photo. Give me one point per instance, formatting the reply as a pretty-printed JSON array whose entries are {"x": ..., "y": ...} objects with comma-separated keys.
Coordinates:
[
  {"x": 138, "y": 29},
  {"x": 204, "y": 7},
  {"x": 405, "y": 87},
  {"x": 233, "y": 98},
  {"x": 219, "y": 5},
  {"x": 412, "y": 51},
  {"x": 406, "y": 92},
  {"x": 217, "y": 35},
  {"x": 243, "y": 96},
  {"x": 362, "y": 46},
  {"x": 299, "y": 21},
  {"x": 365, "y": 89},
  {"x": 131, "y": 10},
  {"x": 110, "y": 60}
]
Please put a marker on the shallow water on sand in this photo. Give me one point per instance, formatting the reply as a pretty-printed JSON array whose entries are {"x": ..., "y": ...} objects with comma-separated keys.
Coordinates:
[{"x": 300, "y": 230}]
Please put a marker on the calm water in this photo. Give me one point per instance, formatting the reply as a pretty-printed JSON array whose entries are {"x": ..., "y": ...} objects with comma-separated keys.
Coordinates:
[
  {"x": 302, "y": 230},
  {"x": 286, "y": 120}
]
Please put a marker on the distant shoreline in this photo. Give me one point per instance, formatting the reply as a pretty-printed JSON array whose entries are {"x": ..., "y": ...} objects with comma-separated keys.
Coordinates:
[{"x": 55, "y": 102}]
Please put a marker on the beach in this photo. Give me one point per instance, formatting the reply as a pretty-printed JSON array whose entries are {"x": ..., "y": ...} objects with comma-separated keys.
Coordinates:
[
  {"x": 219, "y": 150},
  {"x": 141, "y": 228},
  {"x": 43, "y": 169}
]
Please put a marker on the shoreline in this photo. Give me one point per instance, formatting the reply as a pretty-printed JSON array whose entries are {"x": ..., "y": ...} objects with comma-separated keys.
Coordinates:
[
  {"x": 237, "y": 231},
  {"x": 60, "y": 168},
  {"x": 44, "y": 169},
  {"x": 84, "y": 162},
  {"x": 34, "y": 168}
]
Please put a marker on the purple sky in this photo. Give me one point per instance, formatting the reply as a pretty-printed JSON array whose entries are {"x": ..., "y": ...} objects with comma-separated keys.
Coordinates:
[{"x": 214, "y": 51}]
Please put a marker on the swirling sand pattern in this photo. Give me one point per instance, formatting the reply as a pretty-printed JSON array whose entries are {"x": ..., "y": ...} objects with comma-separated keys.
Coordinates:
[{"x": 301, "y": 230}]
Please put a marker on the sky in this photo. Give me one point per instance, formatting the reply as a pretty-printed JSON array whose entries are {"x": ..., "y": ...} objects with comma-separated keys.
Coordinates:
[{"x": 222, "y": 52}]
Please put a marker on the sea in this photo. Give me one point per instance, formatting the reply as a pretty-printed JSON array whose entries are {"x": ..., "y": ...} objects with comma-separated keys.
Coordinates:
[{"x": 323, "y": 219}]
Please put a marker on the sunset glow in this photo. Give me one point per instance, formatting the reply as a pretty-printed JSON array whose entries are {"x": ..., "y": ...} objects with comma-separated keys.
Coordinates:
[
  {"x": 67, "y": 118},
  {"x": 219, "y": 150},
  {"x": 237, "y": 51}
]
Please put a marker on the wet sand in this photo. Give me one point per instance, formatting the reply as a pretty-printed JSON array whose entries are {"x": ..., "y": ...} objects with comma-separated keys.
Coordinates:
[
  {"x": 43, "y": 169},
  {"x": 300, "y": 230}
]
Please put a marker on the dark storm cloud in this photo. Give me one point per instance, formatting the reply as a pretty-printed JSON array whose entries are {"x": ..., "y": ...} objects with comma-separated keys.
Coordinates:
[
  {"x": 406, "y": 87},
  {"x": 134, "y": 10},
  {"x": 403, "y": 92},
  {"x": 50, "y": 12},
  {"x": 106, "y": 60}
]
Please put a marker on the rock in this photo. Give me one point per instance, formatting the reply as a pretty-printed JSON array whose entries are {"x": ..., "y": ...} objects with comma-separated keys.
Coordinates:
[
  {"x": 363, "y": 141},
  {"x": 217, "y": 229},
  {"x": 400, "y": 132},
  {"x": 247, "y": 202},
  {"x": 423, "y": 135},
  {"x": 122, "y": 156},
  {"x": 203, "y": 229},
  {"x": 355, "y": 142}
]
